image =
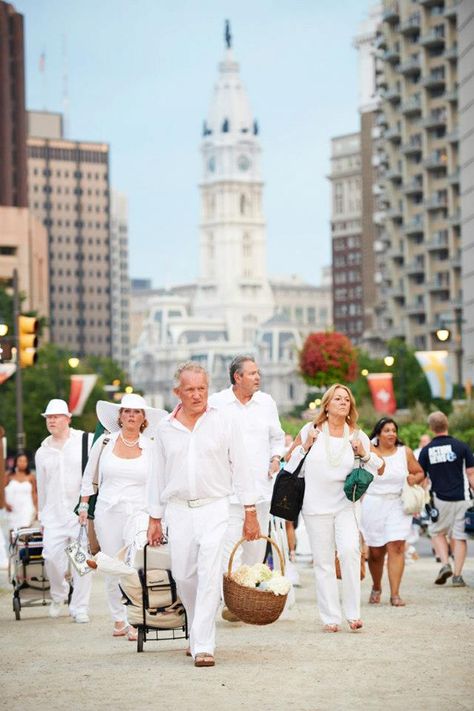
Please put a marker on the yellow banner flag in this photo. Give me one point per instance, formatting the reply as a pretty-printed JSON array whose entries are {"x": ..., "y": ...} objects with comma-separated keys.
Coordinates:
[{"x": 435, "y": 367}]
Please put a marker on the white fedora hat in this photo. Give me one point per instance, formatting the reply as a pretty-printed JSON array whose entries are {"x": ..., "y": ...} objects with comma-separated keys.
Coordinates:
[
  {"x": 56, "y": 407},
  {"x": 108, "y": 412}
]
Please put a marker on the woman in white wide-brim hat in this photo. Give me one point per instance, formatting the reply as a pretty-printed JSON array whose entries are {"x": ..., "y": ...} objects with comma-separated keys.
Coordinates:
[{"x": 125, "y": 457}]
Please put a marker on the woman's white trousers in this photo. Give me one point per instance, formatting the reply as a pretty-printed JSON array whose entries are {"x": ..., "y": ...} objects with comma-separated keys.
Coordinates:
[{"x": 328, "y": 533}]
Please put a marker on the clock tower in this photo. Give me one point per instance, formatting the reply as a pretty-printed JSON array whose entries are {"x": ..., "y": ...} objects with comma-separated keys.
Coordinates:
[{"x": 233, "y": 285}]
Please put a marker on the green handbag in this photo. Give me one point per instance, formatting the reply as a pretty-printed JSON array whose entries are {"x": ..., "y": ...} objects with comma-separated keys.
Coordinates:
[{"x": 357, "y": 482}]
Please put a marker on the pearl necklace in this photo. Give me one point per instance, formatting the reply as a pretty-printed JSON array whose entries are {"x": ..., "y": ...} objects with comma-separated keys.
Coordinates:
[
  {"x": 129, "y": 443},
  {"x": 334, "y": 458}
]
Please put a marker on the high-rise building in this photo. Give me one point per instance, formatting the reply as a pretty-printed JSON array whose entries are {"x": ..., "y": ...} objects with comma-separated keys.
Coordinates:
[
  {"x": 418, "y": 43},
  {"x": 465, "y": 11},
  {"x": 13, "y": 173},
  {"x": 23, "y": 239},
  {"x": 119, "y": 280},
  {"x": 346, "y": 228},
  {"x": 68, "y": 184},
  {"x": 372, "y": 264}
]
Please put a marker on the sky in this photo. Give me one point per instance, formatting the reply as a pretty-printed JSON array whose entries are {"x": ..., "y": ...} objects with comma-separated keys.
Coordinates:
[{"x": 140, "y": 75}]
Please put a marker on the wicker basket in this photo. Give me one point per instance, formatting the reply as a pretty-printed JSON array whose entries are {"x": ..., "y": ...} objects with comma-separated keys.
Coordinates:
[{"x": 256, "y": 607}]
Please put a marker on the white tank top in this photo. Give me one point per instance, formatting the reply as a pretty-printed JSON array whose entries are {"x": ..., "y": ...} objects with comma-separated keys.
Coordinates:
[
  {"x": 19, "y": 495},
  {"x": 393, "y": 478},
  {"x": 123, "y": 481}
]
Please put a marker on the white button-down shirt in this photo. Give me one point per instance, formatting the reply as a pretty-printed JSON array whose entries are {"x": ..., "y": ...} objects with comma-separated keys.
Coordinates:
[
  {"x": 263, "y": 435},
  {"x": 58, "y": 476},
  {"x": 207, "y": 462}
]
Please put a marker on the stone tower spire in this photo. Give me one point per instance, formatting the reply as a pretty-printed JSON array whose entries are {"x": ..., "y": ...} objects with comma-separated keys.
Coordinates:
[{"x": 233, "y": 278}]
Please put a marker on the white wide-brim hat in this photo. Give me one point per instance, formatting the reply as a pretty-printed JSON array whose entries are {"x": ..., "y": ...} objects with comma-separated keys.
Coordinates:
[
  {"x": 57, "y": 407},
  {"x": 108, "y": 412}
]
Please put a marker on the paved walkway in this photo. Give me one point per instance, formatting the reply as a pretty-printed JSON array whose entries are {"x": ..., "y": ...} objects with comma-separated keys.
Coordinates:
[{"x": 418, "y": 657}]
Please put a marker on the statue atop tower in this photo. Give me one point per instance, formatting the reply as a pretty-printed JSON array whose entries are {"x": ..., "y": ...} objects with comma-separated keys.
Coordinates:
[{"x": 228, "y": 36}]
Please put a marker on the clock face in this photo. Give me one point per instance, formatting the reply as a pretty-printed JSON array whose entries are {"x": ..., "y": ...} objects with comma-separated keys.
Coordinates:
[
  {"x": 211, "y": 164},
  {"x": 243, "y": 162}
]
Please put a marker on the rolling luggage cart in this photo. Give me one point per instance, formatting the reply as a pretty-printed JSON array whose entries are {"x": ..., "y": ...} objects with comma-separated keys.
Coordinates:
[
  {"x": 153, "y": 607},
  {"x": 27, "y": 572}
]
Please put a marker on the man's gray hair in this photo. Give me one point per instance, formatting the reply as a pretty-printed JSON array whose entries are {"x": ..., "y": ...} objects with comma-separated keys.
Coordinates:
[
  {"x": 237, "y": 366},
  {"x": 190, "y": 365}
]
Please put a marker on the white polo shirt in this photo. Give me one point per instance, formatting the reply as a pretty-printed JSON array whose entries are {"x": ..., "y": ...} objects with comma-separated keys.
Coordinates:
[{"x": 263, "y": 435}]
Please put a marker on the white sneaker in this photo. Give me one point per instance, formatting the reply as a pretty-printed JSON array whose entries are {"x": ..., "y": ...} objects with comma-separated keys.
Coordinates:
[
  {"x": 55, "y": 609},
  {"x": 81, "y": 618}
]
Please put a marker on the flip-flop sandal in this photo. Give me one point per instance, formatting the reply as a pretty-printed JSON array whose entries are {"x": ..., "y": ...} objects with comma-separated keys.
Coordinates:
[
  {"x": 120, "y": 631},
  {"x": 374, "y": 598},
  {"x": 396, "y": 601},
  {"x": 188, "y": 652},
  {"x": 204, "y": 660},
  {"x": 355, "y": 625},
  {"x": 132, "y": 634},
  {"x": 331, "y": 628}
]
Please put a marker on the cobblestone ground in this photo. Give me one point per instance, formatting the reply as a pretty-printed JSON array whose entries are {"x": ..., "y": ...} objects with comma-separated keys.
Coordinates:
[{"x": 417, "y": 657}]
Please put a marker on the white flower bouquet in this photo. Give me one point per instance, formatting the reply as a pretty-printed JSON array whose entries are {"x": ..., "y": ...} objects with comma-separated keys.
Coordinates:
[{"x": 260, "y": 576}]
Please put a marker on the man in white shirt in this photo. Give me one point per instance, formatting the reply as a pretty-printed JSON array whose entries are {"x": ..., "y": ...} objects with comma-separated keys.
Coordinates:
[
  {"x": 264, "y": 441},
  {"x": 59, "y": 473},
  {"x": 201, "y": 461}
]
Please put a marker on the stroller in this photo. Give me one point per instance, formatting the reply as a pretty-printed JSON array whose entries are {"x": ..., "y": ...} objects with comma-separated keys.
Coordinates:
[
  {"x": 153, "y": 606},
  {"x": 26, "y": 569}
]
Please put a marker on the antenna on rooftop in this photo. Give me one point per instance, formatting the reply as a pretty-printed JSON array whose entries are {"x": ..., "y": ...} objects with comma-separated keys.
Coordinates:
[{"x": 65, "y": 91}]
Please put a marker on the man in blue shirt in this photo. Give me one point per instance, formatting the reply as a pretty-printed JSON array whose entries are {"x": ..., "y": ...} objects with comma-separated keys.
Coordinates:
[{"x": 449, "y": 463}]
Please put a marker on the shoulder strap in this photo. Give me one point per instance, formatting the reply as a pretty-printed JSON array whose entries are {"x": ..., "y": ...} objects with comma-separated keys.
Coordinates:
[
  {"x": 85, "y": 451},
  {"x": 95, "y": 480}
]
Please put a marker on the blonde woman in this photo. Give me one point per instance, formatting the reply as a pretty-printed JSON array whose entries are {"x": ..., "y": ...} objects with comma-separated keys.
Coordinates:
[{"x": 332, "y": 521}]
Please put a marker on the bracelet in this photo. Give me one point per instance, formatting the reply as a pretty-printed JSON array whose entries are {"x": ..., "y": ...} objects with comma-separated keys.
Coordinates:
[
  {"x": 251, "y": 509},
  {"x": 83, "y": 506},
  {"x": 365, "y": 459},
  {"x": 275, "y": 456}
]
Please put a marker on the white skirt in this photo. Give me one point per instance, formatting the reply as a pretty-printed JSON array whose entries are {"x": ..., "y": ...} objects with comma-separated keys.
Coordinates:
[{"x": 383, "y": 520}]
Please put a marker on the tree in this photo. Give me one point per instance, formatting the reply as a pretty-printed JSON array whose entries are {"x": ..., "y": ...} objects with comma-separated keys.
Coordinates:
[
  {"x": 409, "y": 381},
  {"x": 50, "y": 378},
  {"x": 328, "y": 358}
]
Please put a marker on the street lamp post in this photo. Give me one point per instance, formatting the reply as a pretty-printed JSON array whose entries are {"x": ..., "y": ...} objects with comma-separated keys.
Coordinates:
[{"x": 443, "y": 334}]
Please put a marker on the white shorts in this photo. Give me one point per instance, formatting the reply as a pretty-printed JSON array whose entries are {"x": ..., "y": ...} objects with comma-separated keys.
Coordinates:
[
  {"x": 451, "y": 519},
  {"x": 383, "y": 520}
]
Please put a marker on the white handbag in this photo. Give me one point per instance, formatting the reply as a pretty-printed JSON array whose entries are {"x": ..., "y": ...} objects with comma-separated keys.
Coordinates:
[
  {"x": 414, "y": 498},
  {"x": 78, "y": 552}
]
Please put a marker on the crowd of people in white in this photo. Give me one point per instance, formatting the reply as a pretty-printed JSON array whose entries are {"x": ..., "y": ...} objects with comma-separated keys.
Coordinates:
[{"x": 202, "y": 477}]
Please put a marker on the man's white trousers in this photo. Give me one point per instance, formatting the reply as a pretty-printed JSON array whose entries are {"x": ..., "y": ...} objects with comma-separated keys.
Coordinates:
[
  {"x": 328, "y": 533},
  {"x": 196, "y": 540},
  {"x": 55, "y": 539}
]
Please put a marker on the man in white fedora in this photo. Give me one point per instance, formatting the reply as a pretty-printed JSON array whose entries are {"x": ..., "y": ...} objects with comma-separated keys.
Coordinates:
[
  {"x": 201, "y": 461},
  {"x": 123, "y": 458},
  {"x": 59, "y": 472},
  {"x": 264, "y": 439}
]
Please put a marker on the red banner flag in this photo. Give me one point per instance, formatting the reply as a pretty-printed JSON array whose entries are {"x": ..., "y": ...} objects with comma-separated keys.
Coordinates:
[
  {"x": 381, "y": 389},
  {"x": 81, "y": 388}
]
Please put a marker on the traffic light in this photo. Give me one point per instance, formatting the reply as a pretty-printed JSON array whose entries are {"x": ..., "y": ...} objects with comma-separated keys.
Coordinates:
[{"x": 27, "y": 340}]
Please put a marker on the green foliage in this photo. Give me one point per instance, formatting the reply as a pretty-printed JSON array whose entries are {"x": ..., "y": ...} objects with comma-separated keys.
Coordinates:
[
  {"x": 410, "y": 382},
  {"x": 328, "y": 358},
  {"x": 461, "y": 424},
  {"x": 291, "y": 425},
  {"x": 50, "y": 378}
]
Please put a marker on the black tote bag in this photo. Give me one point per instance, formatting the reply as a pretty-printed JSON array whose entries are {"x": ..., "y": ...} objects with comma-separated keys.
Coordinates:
[{"x": 288, "y": 493}]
